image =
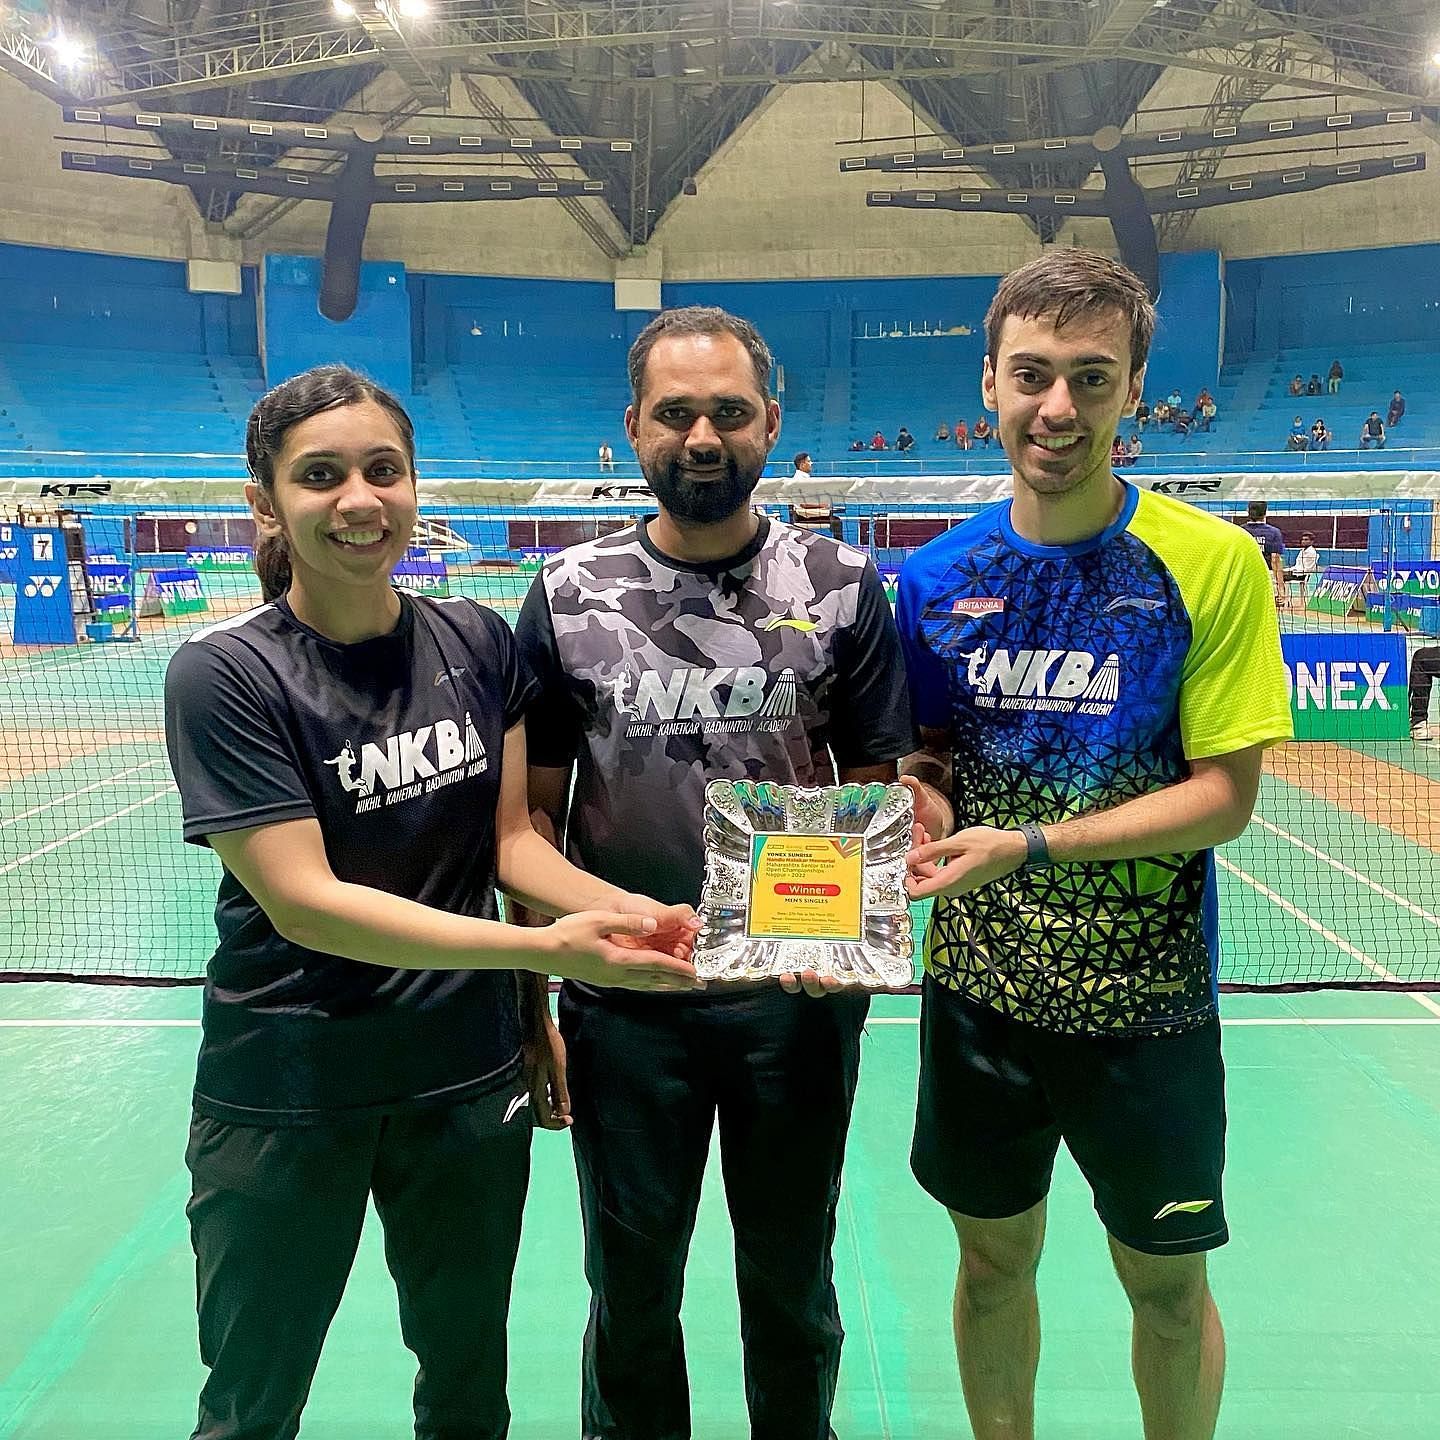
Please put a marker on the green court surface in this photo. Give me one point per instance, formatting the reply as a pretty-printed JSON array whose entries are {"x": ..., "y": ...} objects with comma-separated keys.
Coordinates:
[{"x": 1328, "y": 1288}]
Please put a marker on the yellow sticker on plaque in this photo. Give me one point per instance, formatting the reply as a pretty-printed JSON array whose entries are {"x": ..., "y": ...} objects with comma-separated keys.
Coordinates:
[{"x": 805, "y": 887}]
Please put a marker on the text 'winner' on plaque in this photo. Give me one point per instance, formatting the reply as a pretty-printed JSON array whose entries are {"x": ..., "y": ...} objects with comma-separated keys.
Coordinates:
[
  {"x": 805, "y": 886},
  {"x": 806, "y": 878}
]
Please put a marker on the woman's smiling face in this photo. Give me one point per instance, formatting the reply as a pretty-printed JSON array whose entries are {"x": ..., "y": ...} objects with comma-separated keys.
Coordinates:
[{"x": 344, "y": 497}]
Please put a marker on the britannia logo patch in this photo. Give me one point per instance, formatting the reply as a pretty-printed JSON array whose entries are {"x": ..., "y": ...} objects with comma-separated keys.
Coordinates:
[{"x": 978, "y": 605}]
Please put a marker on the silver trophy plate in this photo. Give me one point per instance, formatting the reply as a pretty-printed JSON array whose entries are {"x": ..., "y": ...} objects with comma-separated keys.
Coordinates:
[{"x": 803, "y": 878}]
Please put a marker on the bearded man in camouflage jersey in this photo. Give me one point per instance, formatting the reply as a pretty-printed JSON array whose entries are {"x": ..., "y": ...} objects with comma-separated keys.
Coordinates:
[{"x": 705, "y": 642}]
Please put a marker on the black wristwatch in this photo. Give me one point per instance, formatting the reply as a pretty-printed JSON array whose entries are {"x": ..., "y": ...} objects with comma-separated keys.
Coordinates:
[{"x": 1037, "y": 852}]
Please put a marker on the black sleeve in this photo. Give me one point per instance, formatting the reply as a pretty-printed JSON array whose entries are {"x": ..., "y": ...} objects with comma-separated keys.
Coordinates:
[
  {"x": 517, "y": 681},
  {"x": 870, "y": 709},
  {"x": 552, "y": 722},
  {"x": 233, "y": 764}
]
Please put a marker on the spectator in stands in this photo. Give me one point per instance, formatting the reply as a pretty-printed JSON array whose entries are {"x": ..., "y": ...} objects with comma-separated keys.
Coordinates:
[
  {"x": 962, "y": 435},
  {"x": 1161, "y": 413},
  {"x": 1312, "y": 386},
  {"x": 1119, "y": 455},
  {"x": 877, "y": 441},
  {"x": 812, "y": 514},
  {"x": 1142, "y": 413},
  {"x": 1424, "y": 668},
  {"x": 1205, "y": 409},
  {"x": 1372, "y": 432},
  {"x": 943, "y": 432},
  {"x": 1174, "y": 400},
  {"x": 1299, "y": 438},
  {"x": 1337, "y": 374},
  {"x": 1396, "y": 412},
  {"x": 607, "y": 456},
  {"x": 1307, "y": 562},
  {"x": 984, "y": 432},
  {"x": 1270, "y": 541},
  {"x": 904, "y": 441},
  {"x": 857, "y": 444},
  {"x": 1180, "y": 421},
  {"x": 1320, "y": 436},
  {"x": 1297, "y": 386},
  {"x": 1135, "y": 448}
]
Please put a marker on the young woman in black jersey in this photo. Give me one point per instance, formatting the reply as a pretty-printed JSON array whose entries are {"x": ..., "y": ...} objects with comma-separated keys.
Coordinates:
[{"x": 356, "y": 758}]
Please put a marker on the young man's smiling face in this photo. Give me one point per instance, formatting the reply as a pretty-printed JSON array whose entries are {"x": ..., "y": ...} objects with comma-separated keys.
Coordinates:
[{"x": 1060, "y": 395}]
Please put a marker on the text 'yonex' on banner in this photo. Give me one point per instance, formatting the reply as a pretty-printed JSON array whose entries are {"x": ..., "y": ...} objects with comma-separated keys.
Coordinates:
[{"x": 1347, "y": 686}]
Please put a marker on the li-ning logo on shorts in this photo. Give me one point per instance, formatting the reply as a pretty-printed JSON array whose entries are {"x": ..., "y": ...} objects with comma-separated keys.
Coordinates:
[
  {"x": 412, "y": 763},
  {"x": 727, "y": 699},
  {"x": 977, "y": 605},
  {"x": 1057, "y": 680},
  {"x": 1182, "y": 1207}
]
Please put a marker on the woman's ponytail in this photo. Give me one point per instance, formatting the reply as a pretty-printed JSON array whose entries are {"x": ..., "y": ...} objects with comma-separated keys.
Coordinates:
[{"x": 272, "y": 565}]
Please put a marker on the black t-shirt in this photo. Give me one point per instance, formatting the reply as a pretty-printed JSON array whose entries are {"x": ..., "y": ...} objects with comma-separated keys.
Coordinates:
[
  {"x": 394, "y": 745},
  {"x": 780, "y": 663}
]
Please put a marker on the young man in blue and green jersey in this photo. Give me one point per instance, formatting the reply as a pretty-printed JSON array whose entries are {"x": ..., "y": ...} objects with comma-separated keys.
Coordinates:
[{"x": 1096, "y": 672}]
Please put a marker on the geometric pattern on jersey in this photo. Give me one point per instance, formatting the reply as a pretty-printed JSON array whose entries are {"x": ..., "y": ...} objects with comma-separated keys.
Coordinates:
[{"x": 1065, "y": 700}]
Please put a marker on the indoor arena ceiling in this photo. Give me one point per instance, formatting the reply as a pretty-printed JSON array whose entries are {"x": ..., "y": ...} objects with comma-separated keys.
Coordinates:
[{"x": 679, "y": 78}]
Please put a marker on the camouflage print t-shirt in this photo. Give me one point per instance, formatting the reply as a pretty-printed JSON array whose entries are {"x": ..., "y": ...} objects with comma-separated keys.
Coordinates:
[{"x": 657, "y": 676}]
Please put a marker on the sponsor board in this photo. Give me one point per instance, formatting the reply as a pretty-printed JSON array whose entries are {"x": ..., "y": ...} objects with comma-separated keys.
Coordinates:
[
  {"x": 422, "y": 577},
  {"x": 1338, "y": 590},
  {"x": 229, "y": 557},
  {"x": 44, "y": 612},
  {"x": 173, "y": 593},
  {"x": 1347, "y": 686}
]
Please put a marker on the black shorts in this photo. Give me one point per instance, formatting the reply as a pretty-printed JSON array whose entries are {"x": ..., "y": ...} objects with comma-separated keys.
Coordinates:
[{"x": 1143, "y": 1115}]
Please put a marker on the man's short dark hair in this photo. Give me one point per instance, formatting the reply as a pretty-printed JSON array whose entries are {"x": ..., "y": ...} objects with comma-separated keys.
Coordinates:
[
  {"x": 801, "y": 458},
  {"x": 1306, "y": 535},
  {"x": 699, "y": 320},
  {"x": 1066, "y": 284},
  {"x": 1255, "y": 511}
]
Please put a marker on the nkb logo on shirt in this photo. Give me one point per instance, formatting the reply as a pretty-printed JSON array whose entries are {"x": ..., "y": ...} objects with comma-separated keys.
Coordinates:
[
  {"x": 1073, "y": 681},
  {"x": 726, "y": 699},
  {"x": 414, "y": 762}
]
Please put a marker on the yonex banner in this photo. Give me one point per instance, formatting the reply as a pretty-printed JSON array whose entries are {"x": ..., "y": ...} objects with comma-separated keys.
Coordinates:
[
  {"x": 43, "y": 611},
  {"x": 110, "y": 591},
  {"x": 1338, "y": 590},
  {"x": 1421, "y": 578},
  {"x": 108, "y": 579},
  {"x": 1347, "y": 686},
  {"x": 422, "y": 577},
  {"x": 173, "y": 592},
  {"x": 235, "y": 557}
]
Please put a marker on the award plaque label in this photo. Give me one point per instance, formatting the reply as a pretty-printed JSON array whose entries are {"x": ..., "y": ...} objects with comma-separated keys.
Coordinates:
[
  {"x": 805, "y": 886},
  {"x": 806, "y": 878}
]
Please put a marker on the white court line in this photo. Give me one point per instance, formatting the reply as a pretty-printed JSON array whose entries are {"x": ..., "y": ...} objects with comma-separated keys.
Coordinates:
[
  {"x": 84, "y": 830},
  {"x": 1344, "y": 946},
  {"x": 84, "y": 790},
  {"x": 1282, "y": 1022},
  {"x": 1429, "y": 917}
]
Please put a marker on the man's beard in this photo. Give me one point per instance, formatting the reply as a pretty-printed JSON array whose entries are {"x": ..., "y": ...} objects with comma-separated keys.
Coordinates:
[{"x": 703, "y": 502}]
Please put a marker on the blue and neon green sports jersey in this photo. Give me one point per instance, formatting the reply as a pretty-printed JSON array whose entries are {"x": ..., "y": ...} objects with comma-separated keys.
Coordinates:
[{"x": 1073, "y": 678}]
